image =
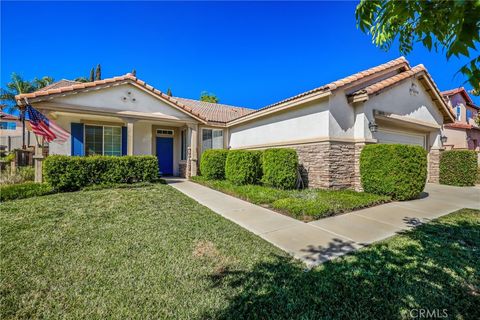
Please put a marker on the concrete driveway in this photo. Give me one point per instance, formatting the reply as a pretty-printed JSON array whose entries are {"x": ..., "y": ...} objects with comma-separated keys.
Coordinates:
[{"x": 324, "y": 239}]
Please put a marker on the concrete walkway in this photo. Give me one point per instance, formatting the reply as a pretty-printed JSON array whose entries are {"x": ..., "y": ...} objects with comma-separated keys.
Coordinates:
[{"x": 324, "y": 239}]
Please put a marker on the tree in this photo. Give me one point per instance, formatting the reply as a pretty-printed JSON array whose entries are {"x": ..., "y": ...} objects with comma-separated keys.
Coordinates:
[
  {"x": 98, "y": 72},
  {"x": 169, "y": 92},
  {"x": 134, "y": 72},
  {"x": 209, "y": 97},
  {"x": 18, "y": 85},
  {"x": 92, "y": 75},
  {"x": 81, "y": 79},
  {"x": 42, "y": 82},
  {"x": 452, "y": 27}
]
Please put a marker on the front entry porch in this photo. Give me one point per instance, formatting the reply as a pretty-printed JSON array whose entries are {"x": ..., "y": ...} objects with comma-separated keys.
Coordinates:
[{"x": 173, "y": 142}]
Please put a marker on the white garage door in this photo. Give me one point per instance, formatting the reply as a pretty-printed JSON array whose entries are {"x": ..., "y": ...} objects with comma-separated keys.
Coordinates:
[{"x": 400, "y": 137}]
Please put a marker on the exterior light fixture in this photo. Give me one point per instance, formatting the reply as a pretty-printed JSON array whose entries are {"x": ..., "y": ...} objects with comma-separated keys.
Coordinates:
[
  {"x": 443, "y": 139},
  {"x": 373, "y": 127}
]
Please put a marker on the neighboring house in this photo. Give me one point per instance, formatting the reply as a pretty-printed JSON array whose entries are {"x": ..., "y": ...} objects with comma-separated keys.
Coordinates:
[
  {"x": 11, "y": 132},
  {"x": 328, "y": 126},
  {"x": 464, "y": 133}
]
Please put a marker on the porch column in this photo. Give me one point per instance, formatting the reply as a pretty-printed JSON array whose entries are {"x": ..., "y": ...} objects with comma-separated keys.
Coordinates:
[
  {"x": 38, "y": 161},
  {"x": 193, "y": 134},
  {"x": 130, "y": 123}
]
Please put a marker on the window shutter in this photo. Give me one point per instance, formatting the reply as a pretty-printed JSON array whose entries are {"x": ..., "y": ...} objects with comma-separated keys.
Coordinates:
[
  {"x": 77, "y": 139},
  {"x": 124, "y": 141}
]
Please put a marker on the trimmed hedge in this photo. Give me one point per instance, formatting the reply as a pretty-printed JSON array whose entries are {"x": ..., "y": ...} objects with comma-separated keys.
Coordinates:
[
  {"x": 66, "y": 173},
  {"x": 458, "y": 167},
  {"x": 395, "y": 170},
  {"x": 280, "y": 167},
  {"x": 24, "y": 190},
  {"x": 243, "y": 167},
  {"x": 212, "y": 164}
]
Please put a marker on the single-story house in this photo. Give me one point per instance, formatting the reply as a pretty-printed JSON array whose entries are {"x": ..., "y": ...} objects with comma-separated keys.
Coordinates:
[
  {"x": 328, "y": 126},
  {"x": 464, "y": 133}
]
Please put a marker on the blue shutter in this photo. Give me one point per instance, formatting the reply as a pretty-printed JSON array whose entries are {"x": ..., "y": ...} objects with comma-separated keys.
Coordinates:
[
  {"x": 77, "y": 139},
  {"x": 124, "y": 141}
]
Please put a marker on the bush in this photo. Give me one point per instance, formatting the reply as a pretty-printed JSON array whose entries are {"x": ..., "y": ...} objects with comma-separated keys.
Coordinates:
[
  {"x": 280, "y": 168},
  {"x": 20, "y": 175},
  {"x": 243, "y": 167},
  {"x": 212, "y": 164},
  {"x": 66, "y": 173},
  {"x": 395, "y": 170},
  {"x": 24, "y": 190},
  {"x": 458, "y": 167}
]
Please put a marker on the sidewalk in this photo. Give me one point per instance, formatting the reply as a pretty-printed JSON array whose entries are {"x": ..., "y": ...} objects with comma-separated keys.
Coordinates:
[{"x": 324, "y": 239}]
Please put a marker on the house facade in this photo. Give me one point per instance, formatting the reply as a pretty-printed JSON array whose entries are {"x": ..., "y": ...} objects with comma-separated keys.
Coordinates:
[
  {"x": 11, "y": 133},
  {"x": 464, "y": 133},
  {"x": 328, "y": 126}
]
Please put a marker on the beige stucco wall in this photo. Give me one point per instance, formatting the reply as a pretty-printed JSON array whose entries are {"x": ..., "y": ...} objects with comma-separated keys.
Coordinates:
[
  {"x": 398, "y": 100},
  {"x": 122, "y": 99},
  {"x": 307, "y": 122},
  {"x": 456, "y": 138}
]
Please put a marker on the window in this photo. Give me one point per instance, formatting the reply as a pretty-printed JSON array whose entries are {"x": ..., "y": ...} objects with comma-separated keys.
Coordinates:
[
  {"x": 459, "y": 112},
  {"x": 8, "y": 125},
  {"x": 212, "y": 139},
  {"x": 112, "y": 141},
  {"x": 469, "y": 115},
  {"x": 183, "y": 155},
  {"x": 165, "y": 132},
  {"x": 103, "y": 140}
]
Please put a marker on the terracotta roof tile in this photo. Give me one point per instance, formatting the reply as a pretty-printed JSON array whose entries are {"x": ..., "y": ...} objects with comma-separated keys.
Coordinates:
[
  {"x": 7, "y": 116},
  {"x": 59, "y": 84},
  {"x": 460, "y": 125},
  {"x": 215, "y": 112},
  {"x": 344, "y": 81}
]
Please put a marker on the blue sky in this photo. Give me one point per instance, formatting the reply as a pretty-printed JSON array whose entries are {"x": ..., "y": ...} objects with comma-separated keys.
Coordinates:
[{"x": 247, "y": 53}]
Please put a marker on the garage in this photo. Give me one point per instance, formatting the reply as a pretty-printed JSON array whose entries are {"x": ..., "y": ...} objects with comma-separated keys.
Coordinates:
[{"x": 400, "y": 137}]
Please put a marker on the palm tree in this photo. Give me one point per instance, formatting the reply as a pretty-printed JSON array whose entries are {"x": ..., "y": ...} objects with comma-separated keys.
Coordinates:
[
  {"x": 43, "y": 82},
  {"x": 17, "y": 86}
]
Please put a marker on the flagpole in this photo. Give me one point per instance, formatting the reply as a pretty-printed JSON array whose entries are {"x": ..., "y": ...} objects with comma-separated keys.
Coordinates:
[
  {"x": 22, "y": 110},
  {"x": 22, "y": 115}
]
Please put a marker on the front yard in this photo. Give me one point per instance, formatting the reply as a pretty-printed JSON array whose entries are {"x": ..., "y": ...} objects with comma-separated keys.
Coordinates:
[
  {"x": 306, "y": 205},
  {"x": 151, "y": 252}
]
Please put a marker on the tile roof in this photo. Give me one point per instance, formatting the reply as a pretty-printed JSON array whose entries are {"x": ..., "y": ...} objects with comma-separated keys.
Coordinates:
[
  {"x": 7, "y": 116},
  {"x": 59, "y": 84},
  {"x": 347, "y": 80},
  {"x": 215, "y": 112},
  {"x": 378, "y": 86},
  {"x": 393, "y": 64},
  {"x": 463, "y": 92},
  {"x": 127, "y": 78},
  {"x": 221, "y": 113},
  {"x": 459, "y": 125}
]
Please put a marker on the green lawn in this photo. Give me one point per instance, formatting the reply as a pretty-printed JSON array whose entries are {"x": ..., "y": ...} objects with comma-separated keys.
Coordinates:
[
  {"x": 151, "y": 252},
  {"x": 306, "y": 205}
]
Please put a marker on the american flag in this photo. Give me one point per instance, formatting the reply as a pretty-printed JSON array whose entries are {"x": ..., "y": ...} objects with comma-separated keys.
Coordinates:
[{"x": 44, "y": 127}]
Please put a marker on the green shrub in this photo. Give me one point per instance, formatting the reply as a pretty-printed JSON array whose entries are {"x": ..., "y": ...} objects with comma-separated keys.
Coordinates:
[
  {"x": 24, "y": 190},
  {"x": 66, "y": 173},
  {"x": 478, "y": 176},
  {"x": 395, "y": 170},
  {"x": 212, "y": 164},
  {"x": 280, "y": 168},
  {"x": 458, "y": 167},
  {"x": 243, "y": 167}
]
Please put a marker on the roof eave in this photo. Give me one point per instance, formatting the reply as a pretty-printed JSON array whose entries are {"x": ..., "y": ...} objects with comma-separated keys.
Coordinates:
[{"x": 278, "y": 108}]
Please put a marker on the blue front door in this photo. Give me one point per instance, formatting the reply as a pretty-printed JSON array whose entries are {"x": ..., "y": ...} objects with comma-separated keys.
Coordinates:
[{"x": 165, "y": 155}]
